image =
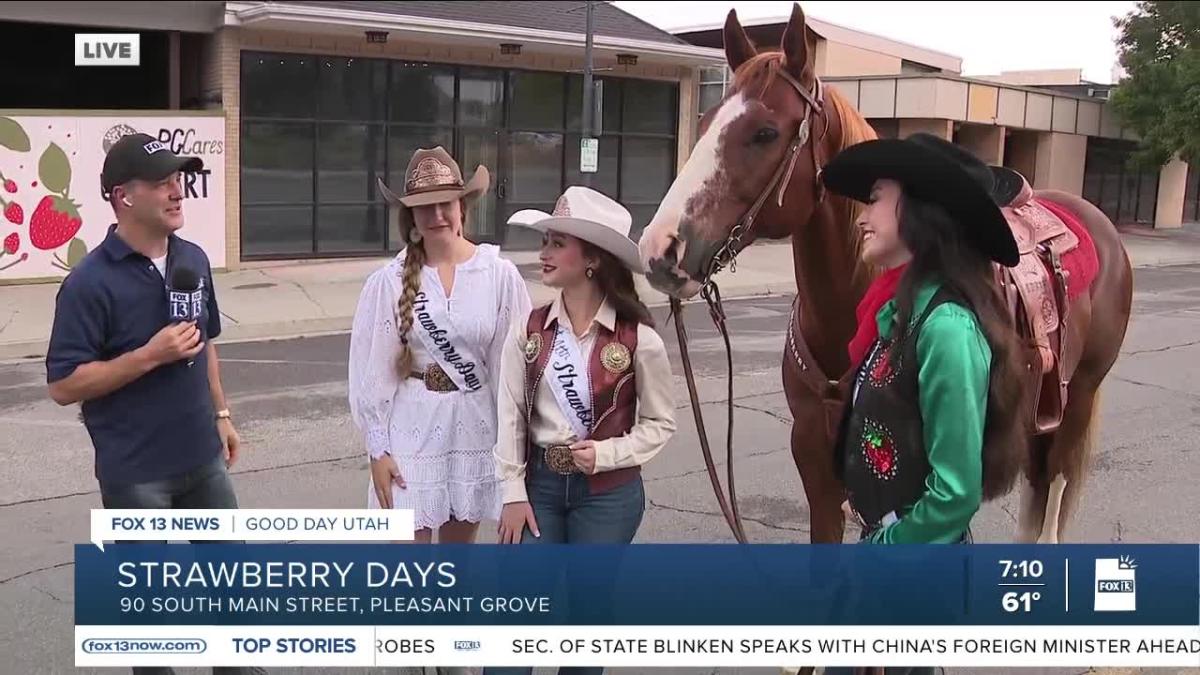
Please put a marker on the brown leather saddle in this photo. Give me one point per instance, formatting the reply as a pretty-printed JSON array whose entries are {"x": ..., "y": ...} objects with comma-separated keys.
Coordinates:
[{"x": 1036, "y": 294}]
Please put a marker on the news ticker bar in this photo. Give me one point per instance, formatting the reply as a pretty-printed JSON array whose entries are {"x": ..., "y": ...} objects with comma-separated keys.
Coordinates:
[{"x": 638, "y": 646}]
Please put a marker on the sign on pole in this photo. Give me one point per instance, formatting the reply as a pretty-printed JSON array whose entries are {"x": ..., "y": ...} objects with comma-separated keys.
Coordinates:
[{"x": 589, "y": 155}]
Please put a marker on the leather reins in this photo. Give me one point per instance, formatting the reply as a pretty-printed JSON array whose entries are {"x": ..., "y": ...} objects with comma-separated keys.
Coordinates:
[{"x": 726, "y": 255}]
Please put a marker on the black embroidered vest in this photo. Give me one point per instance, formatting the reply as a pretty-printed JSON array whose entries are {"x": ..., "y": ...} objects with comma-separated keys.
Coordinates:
[{"x": 880, "y": 454}]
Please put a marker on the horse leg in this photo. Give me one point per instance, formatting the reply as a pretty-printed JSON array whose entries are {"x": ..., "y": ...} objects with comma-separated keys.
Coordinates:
[
  {"x": 1037, "y": 492},
  {"x": 1058, "y": 466},
  {"x": 812, "y": 452},
  {"x": 814, "y": 458},
  {"x": 1072, "y": 461},
  {"x": 1049, "y": 534},
  {"x": 1059, "y": 473}
]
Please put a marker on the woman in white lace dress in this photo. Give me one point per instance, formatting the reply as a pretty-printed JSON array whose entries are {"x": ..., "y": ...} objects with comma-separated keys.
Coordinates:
[{"x": 425, "y": 357}]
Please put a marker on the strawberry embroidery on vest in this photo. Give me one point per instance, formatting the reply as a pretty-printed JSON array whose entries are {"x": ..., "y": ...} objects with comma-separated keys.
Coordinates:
[
  {"x": 879, "y": 449},
  {"x": 881, "y": 372}
]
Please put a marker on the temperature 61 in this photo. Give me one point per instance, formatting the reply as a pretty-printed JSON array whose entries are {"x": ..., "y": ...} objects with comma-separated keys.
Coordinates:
[{"x": 1014, "y": 601}]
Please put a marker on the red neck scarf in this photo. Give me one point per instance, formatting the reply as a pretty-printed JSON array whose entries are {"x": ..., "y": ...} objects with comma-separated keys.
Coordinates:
[{"x": 878, "y": 294}]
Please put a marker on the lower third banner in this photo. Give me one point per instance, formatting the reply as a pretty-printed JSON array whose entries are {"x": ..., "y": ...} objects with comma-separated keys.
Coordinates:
[{"x": 641, "y": 606}]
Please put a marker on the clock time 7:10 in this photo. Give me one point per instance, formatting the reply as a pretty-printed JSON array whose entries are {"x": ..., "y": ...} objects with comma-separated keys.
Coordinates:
[{"x": 1026, "y": 569}]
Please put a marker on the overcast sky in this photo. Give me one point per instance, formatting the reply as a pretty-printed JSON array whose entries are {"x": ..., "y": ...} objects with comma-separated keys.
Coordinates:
[{"x": 988, "y": 36}]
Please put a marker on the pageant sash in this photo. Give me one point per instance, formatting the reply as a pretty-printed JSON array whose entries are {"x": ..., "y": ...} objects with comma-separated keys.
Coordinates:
[
  {"x": 569, "y": 381},
  {"x": 436, "y": 331}
]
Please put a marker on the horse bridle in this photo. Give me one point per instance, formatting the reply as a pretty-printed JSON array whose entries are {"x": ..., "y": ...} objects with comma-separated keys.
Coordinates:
[{"x": 726, "y": 255}]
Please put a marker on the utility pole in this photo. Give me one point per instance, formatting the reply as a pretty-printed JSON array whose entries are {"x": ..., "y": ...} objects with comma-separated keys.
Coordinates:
[{"x": 589, "y": 145}]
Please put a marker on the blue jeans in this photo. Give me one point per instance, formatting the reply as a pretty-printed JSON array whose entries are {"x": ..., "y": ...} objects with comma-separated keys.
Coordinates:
[
  {"x": 568, "y": 513},
  {"x": 205, "y": 487}
]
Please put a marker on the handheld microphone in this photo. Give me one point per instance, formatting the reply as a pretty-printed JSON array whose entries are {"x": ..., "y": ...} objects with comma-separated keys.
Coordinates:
[{"x": 184, "y": 297}]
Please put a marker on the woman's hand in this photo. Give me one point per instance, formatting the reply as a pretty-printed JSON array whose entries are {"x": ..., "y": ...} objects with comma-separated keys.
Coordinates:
[
  {"x": 385, "y": 473},
  {"x": 584, "y": 454},
  {"x": 513, "y": 520}
]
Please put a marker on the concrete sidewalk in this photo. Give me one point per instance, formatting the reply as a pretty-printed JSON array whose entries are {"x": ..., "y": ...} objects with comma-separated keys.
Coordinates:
[{"x": 293, "y": 299}]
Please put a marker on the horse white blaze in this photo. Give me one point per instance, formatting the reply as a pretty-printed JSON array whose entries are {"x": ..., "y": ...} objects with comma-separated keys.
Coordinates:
[{"x": 702, "y": 167}]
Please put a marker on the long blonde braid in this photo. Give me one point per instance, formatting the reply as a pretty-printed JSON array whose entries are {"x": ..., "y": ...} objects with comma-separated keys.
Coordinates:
[{"x": 414, "y": 261}]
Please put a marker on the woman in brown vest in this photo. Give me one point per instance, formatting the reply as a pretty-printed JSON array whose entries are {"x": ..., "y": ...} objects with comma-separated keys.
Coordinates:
[
  {"x": 933, "y": 427},
  {"x": 586, "y": 389}
]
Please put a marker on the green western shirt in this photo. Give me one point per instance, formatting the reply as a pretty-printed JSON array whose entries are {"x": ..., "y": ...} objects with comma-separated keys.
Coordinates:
[{"x": 954, "y": 369}]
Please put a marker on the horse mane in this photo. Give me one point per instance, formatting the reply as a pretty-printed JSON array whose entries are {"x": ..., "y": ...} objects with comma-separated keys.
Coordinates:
[
  {"x": 757, "y": 74},
  {"x": 855, "y": 130}
]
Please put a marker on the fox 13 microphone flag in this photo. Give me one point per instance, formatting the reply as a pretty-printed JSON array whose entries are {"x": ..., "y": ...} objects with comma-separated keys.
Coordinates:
[{"x": 640, "y": 606}]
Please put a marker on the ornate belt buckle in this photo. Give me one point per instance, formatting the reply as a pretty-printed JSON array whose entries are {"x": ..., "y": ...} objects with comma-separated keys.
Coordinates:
[
  {"x": 436, "y": 379},
  {"x": 560, "y": 460}
]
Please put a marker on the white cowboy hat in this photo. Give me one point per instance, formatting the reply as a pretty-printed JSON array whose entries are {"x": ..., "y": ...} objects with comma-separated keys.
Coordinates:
[{"x": 591, "y": 216}]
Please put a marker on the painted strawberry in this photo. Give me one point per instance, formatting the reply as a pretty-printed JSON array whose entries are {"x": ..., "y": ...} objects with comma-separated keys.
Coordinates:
[
  {"x": 55, "y": 221},
  {"x": 14, "y": 213},
  {"x": 10, "y": 185},
  {"x": 11, "y": 243},
  {"x": 880, "y": 451}
]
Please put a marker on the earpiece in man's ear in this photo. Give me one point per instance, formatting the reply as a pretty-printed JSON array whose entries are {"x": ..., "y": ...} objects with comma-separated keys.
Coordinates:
[{"x": 126, "y": 202}]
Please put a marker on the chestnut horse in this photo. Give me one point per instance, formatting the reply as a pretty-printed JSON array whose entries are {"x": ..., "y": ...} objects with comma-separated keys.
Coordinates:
[{"x": 755, "y": 173}]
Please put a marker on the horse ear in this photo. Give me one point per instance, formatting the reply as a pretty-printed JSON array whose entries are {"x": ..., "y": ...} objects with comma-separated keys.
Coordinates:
[
  {"x": 799, "y": 46},
  {"x": 738, "y": 48}
]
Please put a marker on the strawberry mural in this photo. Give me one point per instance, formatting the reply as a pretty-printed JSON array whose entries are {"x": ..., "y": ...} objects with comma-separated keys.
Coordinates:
[
  {"x": 55, "y": 222},
  {"x": 13, "y": 212},
  {"x": 12, "y": 244},
  {"x": 12, "y": 137},
  {"x": 56, "y": 219}
]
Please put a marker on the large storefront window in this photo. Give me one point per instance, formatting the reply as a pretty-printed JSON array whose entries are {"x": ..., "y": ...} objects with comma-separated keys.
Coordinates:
[
  {"x": 314, "y": 140},
  {"x": 1125, "y": 195},
  {"x": 318, "y": 131}
]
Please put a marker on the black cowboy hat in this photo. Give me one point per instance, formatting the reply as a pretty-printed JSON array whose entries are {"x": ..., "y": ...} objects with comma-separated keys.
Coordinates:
[{"x": 935, "y": 170}]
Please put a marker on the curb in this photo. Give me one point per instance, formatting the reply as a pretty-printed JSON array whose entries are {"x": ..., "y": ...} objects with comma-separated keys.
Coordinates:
[
  {"x": 732, "y": 289},
  {"x": 35, "y": 350},
  {"x": 22, "y": 352}
]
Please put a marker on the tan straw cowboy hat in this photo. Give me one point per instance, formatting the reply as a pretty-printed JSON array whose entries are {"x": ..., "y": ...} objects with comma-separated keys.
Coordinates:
[
  {"x": 591, "y": 216},
  {"x": 433, "y": 177}
]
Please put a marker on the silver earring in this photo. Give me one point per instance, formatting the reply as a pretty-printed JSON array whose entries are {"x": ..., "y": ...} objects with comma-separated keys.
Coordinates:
[{"x": 590, "y": 273}]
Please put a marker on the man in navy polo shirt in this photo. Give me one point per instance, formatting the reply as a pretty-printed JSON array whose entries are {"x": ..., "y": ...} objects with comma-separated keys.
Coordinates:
[{"x": 150, "y": 388}]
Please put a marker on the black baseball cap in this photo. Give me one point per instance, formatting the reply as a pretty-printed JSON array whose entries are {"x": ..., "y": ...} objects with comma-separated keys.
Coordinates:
[{"x": 141, "y": 157}]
